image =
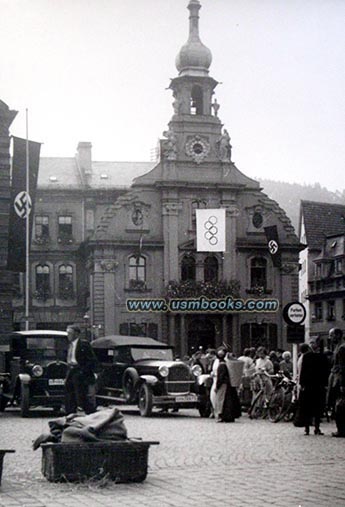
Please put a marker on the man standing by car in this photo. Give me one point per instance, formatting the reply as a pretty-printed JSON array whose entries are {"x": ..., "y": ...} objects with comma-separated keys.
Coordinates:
[{"x": 80, "y": 379}]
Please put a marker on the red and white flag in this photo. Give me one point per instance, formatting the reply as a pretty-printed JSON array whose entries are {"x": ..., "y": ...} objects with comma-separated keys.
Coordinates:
[{"x": 210, "y": 230}]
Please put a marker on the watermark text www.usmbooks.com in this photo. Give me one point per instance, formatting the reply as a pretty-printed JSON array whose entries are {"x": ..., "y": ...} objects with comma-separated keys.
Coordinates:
[{"x": 202, "y": 304}]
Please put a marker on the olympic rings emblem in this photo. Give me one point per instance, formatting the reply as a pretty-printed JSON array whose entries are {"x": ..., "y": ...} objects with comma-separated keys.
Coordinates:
[{"x": 211, "y": 230}]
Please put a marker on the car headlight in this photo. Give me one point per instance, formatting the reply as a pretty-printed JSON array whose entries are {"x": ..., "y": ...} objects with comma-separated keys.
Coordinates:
[
  {"x": 197, "y": 370},
  {"x": 37, "y": 370},
  {"x": 163, "y": 371}
]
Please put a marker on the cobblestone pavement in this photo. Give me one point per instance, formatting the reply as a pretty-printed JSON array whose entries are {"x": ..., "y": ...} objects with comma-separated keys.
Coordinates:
[{"x": 198, "y": 463}]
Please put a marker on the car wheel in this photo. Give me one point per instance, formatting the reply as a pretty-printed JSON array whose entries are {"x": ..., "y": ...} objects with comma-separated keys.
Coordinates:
[
  {"x": 3, "y": 402},
  {"x": 145, "y": 400},
  {"x": 129, "y": 382},
  {"x": 24, "y": 400}
]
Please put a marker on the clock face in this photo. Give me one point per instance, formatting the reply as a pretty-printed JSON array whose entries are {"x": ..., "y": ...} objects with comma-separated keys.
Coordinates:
[{"x": 197, "y": 148}]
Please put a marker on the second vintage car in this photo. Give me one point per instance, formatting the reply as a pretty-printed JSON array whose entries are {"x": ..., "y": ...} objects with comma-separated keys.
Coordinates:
[{"x": 142, "y": 371}]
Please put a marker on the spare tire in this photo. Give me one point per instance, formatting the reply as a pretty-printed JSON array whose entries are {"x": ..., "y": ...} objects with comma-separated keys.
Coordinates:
[{"x": 129, "y": 384}]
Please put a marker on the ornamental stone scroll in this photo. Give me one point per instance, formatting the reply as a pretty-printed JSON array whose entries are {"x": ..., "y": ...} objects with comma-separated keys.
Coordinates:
[{"x": 108, "y": 265}]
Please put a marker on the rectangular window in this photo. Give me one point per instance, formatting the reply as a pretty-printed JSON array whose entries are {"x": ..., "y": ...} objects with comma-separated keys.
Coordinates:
[
  {"x": 331, "y": 310},
  {"x": 318, "y": 270},
  {"x": 65, "y": 228},
  {"x": 318, "y": 311},
  {"x": 338, "y": 266},
  {"x": 41, "y": 227}
]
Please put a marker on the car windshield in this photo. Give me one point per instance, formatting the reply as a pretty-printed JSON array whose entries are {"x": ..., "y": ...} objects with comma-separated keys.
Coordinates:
[
  {"x": 46, "y": 348},
  {"x": 147, "y": 353}
]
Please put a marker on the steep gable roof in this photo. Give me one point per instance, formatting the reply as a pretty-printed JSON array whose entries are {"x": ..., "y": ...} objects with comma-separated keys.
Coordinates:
[{"x": 321, "y": 219}]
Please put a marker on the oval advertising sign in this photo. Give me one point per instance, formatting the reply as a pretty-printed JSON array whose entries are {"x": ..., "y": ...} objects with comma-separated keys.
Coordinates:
[{"x": 294, "y": 313}]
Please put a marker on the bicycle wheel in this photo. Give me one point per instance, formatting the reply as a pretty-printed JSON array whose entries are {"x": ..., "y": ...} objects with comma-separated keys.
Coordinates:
[
  {"x": 276, "y": 405},
  {"x": 289, "y": 407},
  {"x": 257, "y": 408}
]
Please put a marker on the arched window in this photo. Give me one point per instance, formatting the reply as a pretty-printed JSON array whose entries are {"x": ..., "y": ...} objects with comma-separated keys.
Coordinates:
[
  {"x": 188, "y": 268},
  {"x": 137, "y": 271},
  {"x": 196, "y": 100},
  {"x": 211, "y": 269},
  {"x": 66, "y": 281},
  {"x": 42, "y": 281},
  {"x": 258, "y": 272}
]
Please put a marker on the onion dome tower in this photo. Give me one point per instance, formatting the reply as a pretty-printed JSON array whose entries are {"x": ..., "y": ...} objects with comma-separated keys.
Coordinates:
[
  {"x": 195, "y": 131},
  {"x": 194, "y": 57}
]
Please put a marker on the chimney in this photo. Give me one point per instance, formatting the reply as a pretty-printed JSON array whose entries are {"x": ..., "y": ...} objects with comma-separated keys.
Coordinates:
[{"x": 84, "y": 158}]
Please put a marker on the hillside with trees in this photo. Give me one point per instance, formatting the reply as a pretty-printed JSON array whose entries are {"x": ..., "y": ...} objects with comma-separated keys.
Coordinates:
[{"x": 289, "y": 196}]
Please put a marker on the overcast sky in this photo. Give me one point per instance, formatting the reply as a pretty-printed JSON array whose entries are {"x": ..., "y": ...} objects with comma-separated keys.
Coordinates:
[{"x": 97, "y": 70}]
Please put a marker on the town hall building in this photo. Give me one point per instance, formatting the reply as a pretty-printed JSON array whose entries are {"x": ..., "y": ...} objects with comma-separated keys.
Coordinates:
[{"x": 139, "y": 241}]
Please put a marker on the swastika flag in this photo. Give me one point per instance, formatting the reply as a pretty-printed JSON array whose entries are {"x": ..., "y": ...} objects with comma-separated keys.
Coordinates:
[
  {"x": 273, "y": 245},
  {"x": 210, "y": 230},
  {"x": 21, "y": 202}
]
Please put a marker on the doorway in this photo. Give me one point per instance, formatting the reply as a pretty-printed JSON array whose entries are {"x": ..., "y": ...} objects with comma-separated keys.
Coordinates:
[{"x": 201, "y": 332}]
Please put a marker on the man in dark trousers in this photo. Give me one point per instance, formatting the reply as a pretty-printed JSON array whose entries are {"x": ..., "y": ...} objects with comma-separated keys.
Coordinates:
[
  {"x": 81, "y": 378},
  {"x": 337, "y": 381}
]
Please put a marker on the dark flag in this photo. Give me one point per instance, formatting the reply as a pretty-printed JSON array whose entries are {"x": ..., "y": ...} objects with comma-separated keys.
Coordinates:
[
  {"x": 20, "y": 202},
  {"x": 273, "y": 245}
]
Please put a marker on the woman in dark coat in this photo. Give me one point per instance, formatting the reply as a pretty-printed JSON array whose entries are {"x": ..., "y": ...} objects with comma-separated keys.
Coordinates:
[
  {"x": 313, "y": 381},
  {"x": 230, "y": 408}
]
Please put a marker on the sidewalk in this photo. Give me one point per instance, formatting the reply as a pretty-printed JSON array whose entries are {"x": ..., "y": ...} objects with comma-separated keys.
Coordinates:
[{"x": 198, "y": 463}]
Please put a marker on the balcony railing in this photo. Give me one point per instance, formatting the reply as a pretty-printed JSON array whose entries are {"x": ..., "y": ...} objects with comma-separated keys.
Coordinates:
[{"x": 210, "y": 290}]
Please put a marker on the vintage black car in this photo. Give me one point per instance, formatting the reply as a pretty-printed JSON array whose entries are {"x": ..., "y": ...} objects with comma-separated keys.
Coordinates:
[
  {"x": 142, "y": 371},
  {"x": 34, "y": 364}
]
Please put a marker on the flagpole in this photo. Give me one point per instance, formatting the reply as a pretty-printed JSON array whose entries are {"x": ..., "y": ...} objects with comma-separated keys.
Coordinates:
[{"x": 27, "y": 230}]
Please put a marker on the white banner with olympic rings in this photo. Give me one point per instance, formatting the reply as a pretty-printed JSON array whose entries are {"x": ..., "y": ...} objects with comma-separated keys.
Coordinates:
[{"x": 210, "y": 230}]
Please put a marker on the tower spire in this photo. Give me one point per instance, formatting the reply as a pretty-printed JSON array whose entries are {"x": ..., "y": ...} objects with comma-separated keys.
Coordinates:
[
  {"x": 194, "y": 7},
  {"x": 194, "y": 58}
]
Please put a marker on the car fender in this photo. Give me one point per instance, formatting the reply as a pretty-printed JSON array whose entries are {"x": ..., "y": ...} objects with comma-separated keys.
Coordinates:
[
  {"x": 149, "y": 379},
  {"x": 24, "y": 378}
]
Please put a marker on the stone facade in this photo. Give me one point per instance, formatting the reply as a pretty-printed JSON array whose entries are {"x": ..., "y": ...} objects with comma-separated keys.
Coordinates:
[
  {"x": 112, "y": 238},
  {"x": 195, "y": 170}
]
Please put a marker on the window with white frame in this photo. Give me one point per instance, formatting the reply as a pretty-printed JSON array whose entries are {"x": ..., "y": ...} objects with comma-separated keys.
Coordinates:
[
  {"x": 258, "y": 272},
  {"x": 137, "y": 271},
  {"x": 66, "y": 288},
  {"x": 42, "y": 281},
  {"x": 65, "y": 231},
  {"x": 41, "y": 227}
]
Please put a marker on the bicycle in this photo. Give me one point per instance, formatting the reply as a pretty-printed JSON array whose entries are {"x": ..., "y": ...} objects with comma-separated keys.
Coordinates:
[
  {"x": 283, "y": 400},
  {"x": 260, "y": 402}
]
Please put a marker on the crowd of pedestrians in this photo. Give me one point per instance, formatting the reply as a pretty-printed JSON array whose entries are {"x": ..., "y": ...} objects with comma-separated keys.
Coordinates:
[{"x": 320, "y": 379}]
